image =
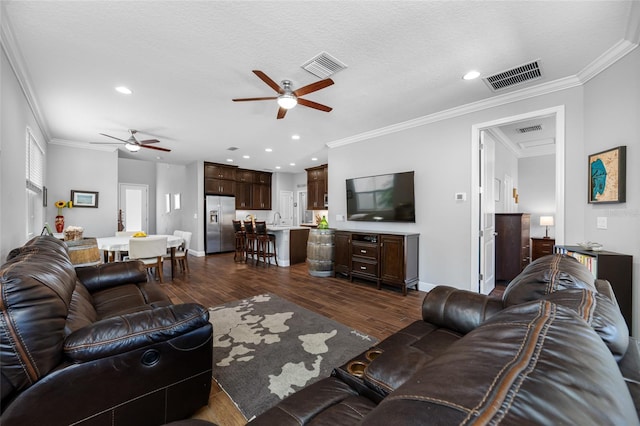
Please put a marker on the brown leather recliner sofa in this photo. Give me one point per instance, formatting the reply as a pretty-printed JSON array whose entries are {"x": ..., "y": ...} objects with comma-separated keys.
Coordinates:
[
  {"x": 555, "y": 350},
  {"x": 96, "y": 345}
]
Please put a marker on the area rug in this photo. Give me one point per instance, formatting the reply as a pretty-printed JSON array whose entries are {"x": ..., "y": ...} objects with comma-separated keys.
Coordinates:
[{"x": 266, "y": 348}]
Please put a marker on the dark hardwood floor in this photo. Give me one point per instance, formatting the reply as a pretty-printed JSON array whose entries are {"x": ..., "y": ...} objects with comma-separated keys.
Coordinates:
[{"x": 217, "y": 279}]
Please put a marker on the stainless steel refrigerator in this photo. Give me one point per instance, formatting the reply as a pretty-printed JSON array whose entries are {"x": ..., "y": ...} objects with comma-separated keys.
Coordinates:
[{"x": 219, "y": 212}]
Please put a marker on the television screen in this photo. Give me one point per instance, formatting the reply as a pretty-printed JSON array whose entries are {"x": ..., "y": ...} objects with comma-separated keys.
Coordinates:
[{"x": 382, "y": 198}]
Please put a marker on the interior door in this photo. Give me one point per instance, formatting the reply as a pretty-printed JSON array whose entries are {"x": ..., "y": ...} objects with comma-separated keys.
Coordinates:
[
  {"x": 134, "y": 204},
  {"x": 286, "y": 207},
  {"x": 487, "y": 264}
]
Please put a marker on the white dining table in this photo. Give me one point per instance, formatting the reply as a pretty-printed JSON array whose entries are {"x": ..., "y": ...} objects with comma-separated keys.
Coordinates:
[{"x": 114, "y": 245}]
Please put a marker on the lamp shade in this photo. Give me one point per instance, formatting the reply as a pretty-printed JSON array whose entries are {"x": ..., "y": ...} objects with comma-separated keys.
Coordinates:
[
  {"x": 287, "y": 101},
  {"x": 546, "y": 220},
  {"x": 132, "y": 147}
]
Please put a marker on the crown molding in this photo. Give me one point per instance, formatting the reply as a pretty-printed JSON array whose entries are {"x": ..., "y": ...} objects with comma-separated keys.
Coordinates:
[
  {"x": 507, "y": 98},
  {"x": 16, "y": 61},
  {"x": 608, "y": 58},
  {"x": 83, "y": 145}
]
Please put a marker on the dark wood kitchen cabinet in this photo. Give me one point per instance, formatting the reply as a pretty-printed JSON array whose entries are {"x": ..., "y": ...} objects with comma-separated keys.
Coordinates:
[
  {"x": 512, "y": 244},
  {"x": 317, "y": 187}
]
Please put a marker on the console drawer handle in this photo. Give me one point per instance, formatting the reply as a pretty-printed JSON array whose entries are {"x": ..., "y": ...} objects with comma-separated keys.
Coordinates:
[
  {"x": 363, "y": 267},
  {"x": 363, "y": 251}
]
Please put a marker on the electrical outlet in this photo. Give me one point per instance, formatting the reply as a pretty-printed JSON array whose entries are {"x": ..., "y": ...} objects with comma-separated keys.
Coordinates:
[{"x": 602, "y": 223}]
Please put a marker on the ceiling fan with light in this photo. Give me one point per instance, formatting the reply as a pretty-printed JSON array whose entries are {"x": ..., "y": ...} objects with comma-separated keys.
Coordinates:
[
  {"x": 132, "y": 144},
  {"x": 287, "y": 97}
]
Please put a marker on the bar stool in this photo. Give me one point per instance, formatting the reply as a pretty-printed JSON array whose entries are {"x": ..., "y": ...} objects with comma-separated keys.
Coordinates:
[
  {"x": 241, "y": 240},
  {"x": 251, "y": 242},
  {"x": 265, "y": 241}
]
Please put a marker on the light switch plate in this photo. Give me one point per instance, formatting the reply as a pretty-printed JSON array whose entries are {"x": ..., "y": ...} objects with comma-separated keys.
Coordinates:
[
  {"x": 602, "y": 223},
  {"x": 461, "y": 196}
]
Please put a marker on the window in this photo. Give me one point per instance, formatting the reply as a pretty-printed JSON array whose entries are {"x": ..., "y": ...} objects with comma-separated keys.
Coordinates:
[{"x": 34, "y": 170}]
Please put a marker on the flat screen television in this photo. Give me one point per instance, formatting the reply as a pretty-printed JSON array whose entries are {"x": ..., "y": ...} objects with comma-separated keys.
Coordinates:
[{"x": 382, "y": 198}]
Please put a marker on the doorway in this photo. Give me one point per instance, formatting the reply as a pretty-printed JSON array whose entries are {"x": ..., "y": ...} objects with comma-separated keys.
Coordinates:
[
  {"x": 133, "y": 204},
  {"x": 480, "y": 268}
]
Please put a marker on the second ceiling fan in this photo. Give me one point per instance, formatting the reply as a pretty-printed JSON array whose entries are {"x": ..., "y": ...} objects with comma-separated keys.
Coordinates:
[{"x": 287, "y": 97}]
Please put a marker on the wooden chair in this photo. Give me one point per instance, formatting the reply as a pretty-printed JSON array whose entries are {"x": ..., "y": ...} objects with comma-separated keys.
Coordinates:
[
  {"x": 264, "y": 243},
  {"x": 251, "y": 242},
  {"x": 150, "y": 251},
  {"x": 241, "y": 240},
  {"x": 183, "y": 250}
]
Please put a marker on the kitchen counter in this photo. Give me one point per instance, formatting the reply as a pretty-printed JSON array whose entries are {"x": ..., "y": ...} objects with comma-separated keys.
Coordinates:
[{"x": 291, "y": 243}]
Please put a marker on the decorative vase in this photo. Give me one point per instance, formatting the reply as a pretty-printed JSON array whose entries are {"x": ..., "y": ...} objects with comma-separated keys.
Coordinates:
[{"x": 59, "y": 223}]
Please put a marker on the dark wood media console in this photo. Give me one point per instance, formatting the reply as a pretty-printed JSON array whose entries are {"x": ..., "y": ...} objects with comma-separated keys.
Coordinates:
[{"x": 384, "y": 258}]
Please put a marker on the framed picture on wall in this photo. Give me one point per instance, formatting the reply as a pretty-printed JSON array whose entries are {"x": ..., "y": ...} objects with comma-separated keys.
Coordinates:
[
  {"x": 84, "y": 198},
  {"x": 607, "y": 176}
]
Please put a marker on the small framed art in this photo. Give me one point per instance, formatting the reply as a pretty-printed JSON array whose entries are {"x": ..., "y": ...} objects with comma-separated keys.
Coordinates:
[
  {"x": 607, "y": 176},
  {"x": 84, "y": 198}
]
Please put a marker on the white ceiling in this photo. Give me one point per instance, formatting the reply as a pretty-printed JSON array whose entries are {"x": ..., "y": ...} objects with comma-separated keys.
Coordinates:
[{"x": 186, "y": 60}]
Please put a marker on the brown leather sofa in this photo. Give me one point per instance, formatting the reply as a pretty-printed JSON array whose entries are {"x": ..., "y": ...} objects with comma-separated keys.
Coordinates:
[
  {"x": 96, "y": 345},
  {"x": 554, "y": 350}
]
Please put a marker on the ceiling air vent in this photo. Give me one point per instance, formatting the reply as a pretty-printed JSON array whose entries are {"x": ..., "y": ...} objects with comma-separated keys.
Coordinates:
[
  {"x": 534, "y": 128},
  {"x": 232, "y": 148},
  {"x": 323, "y": 65},
  {"x": 515, "y": 76}
]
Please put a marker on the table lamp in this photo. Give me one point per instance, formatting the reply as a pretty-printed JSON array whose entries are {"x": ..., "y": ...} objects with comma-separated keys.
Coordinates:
[{"x": 546, "y": 221}]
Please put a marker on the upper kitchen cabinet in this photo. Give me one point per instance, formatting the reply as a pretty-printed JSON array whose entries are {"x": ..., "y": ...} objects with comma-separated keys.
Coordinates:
[
  {"x": 317, "y": 184},
  {"x": 219, "y": 179}
]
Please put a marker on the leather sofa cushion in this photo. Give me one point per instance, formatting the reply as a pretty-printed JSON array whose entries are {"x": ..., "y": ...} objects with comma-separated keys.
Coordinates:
[
  {"x": 329, "y": 401},
  {"x": 37, "y": 284},
  {"x": 458, "y": 310},
  {"x": 536, "y": 363},
  {"x": 546, "y": 275},
  {"x": 128, "y": 332},
  {"x": 81, "y": 312}
]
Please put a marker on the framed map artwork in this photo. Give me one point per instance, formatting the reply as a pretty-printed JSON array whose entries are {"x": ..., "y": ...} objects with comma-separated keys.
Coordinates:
[{"x": 607, "y": 176}]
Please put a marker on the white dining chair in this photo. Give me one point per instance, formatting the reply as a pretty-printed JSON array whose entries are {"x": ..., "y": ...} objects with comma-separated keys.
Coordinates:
[{"x": 149, "y": 250}]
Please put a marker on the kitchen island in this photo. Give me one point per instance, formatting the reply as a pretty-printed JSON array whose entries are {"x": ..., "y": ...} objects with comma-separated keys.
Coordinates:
[{"x": 291, "y": 243}]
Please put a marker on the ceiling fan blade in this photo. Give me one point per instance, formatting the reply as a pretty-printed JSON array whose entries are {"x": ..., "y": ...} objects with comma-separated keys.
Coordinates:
[
  {"x": 313, "y": 87},
  {"x": 262, "y": 76},
  {"x": 159, "y": 148},
  {"x": 149, "y": 141},
  {"x": 113, "y": 137},
  {"x": 315, "y": 105},
  {"x": 281, "y": 113},
  {"x": 255, "y": 99}
]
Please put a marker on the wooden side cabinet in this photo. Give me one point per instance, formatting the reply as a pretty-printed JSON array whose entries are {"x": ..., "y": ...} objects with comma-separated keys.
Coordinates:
[
  {"x": 390, "y": 259},
  {"x": 512, "y": 244},
  {"x": 541, "y": 247},
  {"x": 317, "y": 187}
]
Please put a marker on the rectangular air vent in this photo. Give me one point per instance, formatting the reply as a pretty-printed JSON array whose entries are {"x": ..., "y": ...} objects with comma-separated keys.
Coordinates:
[
  {"x": 232, "y": 148},
  {"x": 514, "y": 76},
  {"x": 323, "y": 65},
  {"x": 534, "y": 128}
]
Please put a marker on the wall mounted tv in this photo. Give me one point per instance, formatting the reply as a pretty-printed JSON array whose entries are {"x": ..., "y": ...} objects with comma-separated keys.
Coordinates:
[{"x": 382, "y": 198}]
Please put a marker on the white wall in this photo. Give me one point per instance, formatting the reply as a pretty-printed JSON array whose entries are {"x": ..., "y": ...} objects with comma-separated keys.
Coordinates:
[
  {"x": 80, "y": 169},
  {"x": 15, "y": 116},
  {"x": 440, "y": 154},
  {"x": 536, "y": 189},
  {"x": 612, "y": 109},
  {"x": 171, "y": 179}
]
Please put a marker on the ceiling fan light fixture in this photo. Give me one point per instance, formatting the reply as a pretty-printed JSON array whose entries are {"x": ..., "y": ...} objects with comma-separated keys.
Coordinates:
[
  {"x": 287, "y": 100},
  {"x": 132, "y": 147}
]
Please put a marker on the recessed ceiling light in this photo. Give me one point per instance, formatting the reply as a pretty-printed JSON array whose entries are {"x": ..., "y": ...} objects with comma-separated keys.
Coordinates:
[
  {"x": 245, "y": 156},
  {"x": 229, "y": 160},
  {"x": 268, "y": 149},
  {"x": 292, "y": 164},
  {"x": 295, "y": 137},
  {"x": 124, "y": 90},
  {"x": 471, "y": 75},
  {"x": 278, "y": 167},
  {"x": 314, "y": 158}
]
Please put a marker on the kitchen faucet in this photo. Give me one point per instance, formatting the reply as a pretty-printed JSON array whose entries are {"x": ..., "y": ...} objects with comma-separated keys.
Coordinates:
[{"x": 274, "y": 218}]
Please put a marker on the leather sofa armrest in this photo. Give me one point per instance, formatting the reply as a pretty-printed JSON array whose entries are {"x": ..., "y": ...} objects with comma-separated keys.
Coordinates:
[
  {"x": 132, "y": 331},
  {"x": 106, "y": 275},
  {"x": 458, "y": 310}
]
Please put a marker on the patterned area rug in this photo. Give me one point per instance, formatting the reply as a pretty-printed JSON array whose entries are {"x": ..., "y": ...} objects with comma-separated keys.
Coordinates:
[{"x": 266, "y": 348}]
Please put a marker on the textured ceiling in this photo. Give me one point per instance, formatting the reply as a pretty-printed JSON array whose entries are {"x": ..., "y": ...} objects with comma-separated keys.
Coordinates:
[{"x": 186, "y": 60}]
